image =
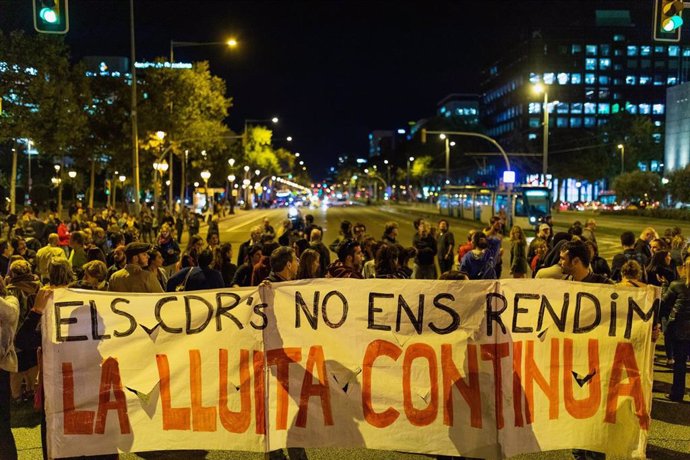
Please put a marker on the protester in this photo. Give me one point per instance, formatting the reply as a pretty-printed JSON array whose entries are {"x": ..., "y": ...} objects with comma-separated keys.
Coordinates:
[
  {"x": 349, "y": 263},
  {"x": 598, "y": 264},
  {"x": 390, "y": 233},
  {"x": 386, "y": 262},
  {"x": 518, "y": 253},
  {"x": 95, "y": 273},
  {"x": 345, "y": 234},
  {"x": 467, "y": 247},
  {"x": 629, "y": 253},
  {"x": 243, "y": 275},
  {"x": 9, "y": 319},
  {"x": 543, "y": 234},
  {"x": 191, "y": 253},
  {"x": 254, "y": 239},
  {"x": 631, "y": 275},
  {"x": 196, "y": 278},
  {"x": 309, "y": 265},
  {"x": 316, "y": 244},
  {"x": 446, "y": 246},
  {"x": 227, "y": 268},
  {"x": 46, "y": 254},
  {"x": 284, "y": 265},
  {"x": 168, "y": 248},
  {"x": 675, "y": 305},
  {"x": 537, "y": 261},
  {"x": 480, "y": 262},
  {"x": 134, "y": 277},
  {"x": 425, "y": 244},
  {"x": 659, "y": 269},
  {"x": 155, "y": 266}
]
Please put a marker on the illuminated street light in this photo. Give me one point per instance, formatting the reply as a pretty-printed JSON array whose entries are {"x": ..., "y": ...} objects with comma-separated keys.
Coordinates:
[
  {"x": 274, "y": 119},
  {"x": 57, "y": 169},
  {"x": 246, "y": 169},
  {"x": 231, "y": 162},
  {"x": 301, "y": 163},
  {"x": 442, "y": 137},
  {"x": 231, "y": 42},
  {"x": 257, "y": 172},
  {"x": 72, "y": 174},
  {"x": 122, "y": 178},
  {"x": 296, "y": 154},
  {"x": 538, "y": 89},
  {"x": 160, "y": 135},
  {"x": 621, "y": 147},
  {"x": 289, "y": 138}
]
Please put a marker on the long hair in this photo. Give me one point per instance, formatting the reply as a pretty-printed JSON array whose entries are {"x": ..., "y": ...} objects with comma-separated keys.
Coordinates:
[
  {"x": 306, "y": 262},
  {"x": 658, "y": 260},
  {"x": 386, "y": 260},
  {"x": 516, "y": 234}
]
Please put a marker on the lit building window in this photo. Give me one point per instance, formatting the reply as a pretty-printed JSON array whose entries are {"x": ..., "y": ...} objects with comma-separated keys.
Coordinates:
[
  {"x": 604, "y": 93},
  {"x": 656, "y": 137},
  {"x": 590, "y": 64},
  {"x": 534, "y": 122},
  {"x": 631, "y": 108},
  {"x": 619, "y": 38},
  {"x": 561, "y": 122},
  {"x": 563, "y": 78},
  {"x": 531, "y": 136},
  {"x": 630, "y": 80},
  {"x": 590, "y": 108},
  {"x": 576, "y": 108},
  {"x": 603, "y": 79},
  {"x": 659, "y": 80},
  {"x": 645, "y": 50},
  {"x": 534, "y": 107},
  {"x": 632, "y": 50},
  {"x": 590, "y": 78},
  {"x": 658, "y": 109},
  {"x": 645, "y": 109},
  {"x": 576, "y": 49},
  {"x": 645, "y": 80},
  {"x": 604, "y": 50},
  {"x": 576, "y": 122},
  {"x": 604, "y": 63},
  {"x": 548, "y": 78},
  {"x": 674, "y": 50},
  {"x": 533, "y": 78},
  {"x": 615, "y": 108},
  {"x": 563, "y": 107},
  {"x": 617, "y": 81},
  {"x": 659, "y": 49},
  {"x": 604, "y": 108},
  {"x": 657, "y": 123},
  {"x": 686, "y": 52},
  {"x": 590, "y": 122},
  {"x": 591, "y": 50},
  {"x": 589, "y": 93},
  {"x": 576, "y": 78}
]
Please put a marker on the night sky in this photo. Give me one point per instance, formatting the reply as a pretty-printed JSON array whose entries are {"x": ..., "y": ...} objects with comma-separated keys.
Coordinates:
[{"x": 332, "y": 71}]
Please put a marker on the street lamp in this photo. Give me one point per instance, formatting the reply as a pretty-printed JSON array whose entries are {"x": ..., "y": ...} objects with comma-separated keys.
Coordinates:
[
  {"x": 206, "y": 175},
  {"x": 622, "y": 149},
  {"x": 538, "y": 89},
  {"x": 160, "y": 167},
  {"x": 72, "y": 174},
  {"x": 231, "y": 195},
  {"x": 122, "y": 178},
  {"x": 447, "y": 144},
  {"x": 409, "y": 160},
  {"x": 230, "y": 43}
]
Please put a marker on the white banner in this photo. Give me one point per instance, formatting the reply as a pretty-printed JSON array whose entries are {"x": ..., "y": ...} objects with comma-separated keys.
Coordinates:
[{"x": 484, "y": 369}]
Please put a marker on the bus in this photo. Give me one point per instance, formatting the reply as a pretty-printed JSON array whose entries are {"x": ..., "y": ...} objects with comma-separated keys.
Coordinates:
[{"x": 472, "y": 202}]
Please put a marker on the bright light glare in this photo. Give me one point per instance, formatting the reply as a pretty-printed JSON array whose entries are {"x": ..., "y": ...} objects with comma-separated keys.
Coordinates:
[
  {"x": 538, "y": 88},
  {"x": 231, "y": 42},
  {"x": 48, "y": 15},
  {"x": 274, "y": 119}
]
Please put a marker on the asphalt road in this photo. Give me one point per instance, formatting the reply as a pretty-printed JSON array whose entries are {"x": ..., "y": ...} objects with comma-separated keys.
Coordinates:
[{"x": 669, "y": 437}]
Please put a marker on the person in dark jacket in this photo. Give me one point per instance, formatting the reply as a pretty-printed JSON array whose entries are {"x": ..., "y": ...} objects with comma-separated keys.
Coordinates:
[
  {"x": 598, "y": 263},
  {"x": 243, "y": 275},
  {"x": 675, "y": 304},
  {"x": 168, "y": 247},
  {"x": 197, "y": 278},
  {"x": 284, "y": 265},
  {"x": 425, "y": 244}
]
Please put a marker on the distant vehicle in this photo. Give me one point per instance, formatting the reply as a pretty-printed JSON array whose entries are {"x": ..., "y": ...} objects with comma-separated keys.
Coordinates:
[
  {"x": 339, "y": 201},
  {"x": 529, "y": 205},
  {"x": 296, "y": 219}
]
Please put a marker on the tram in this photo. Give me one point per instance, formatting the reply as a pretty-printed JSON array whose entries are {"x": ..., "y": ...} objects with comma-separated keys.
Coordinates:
[{"x": 472, "y": 202}]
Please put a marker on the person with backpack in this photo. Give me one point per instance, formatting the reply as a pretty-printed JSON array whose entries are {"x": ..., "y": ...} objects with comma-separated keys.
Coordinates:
[
  {"x": 480, "y": 262},
  {"x": 629, "y": 253}
]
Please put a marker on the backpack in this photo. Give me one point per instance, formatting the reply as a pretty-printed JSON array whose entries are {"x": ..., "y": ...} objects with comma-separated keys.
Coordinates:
[{"x": 636, "y": 256}]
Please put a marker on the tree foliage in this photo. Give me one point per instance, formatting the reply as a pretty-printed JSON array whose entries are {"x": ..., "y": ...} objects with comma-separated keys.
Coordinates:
[
  {"x": 679, "y": 184},
  {"x": 638, "y": 185}
]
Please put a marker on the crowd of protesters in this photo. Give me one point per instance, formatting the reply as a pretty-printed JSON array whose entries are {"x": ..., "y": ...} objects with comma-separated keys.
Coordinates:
[{"x": 125, "y": 253}]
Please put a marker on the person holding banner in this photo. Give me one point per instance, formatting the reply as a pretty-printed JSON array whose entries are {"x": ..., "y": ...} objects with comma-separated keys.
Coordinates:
[
  {"x": 9, "y": 317},
  {"x": 675, "y": 304}
]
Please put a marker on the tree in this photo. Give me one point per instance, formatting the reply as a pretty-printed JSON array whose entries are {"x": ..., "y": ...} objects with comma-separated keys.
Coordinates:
[
  {"x": 44, "y": 96},
  {"x": 679, "y": 184},
  {"x": 638, "y": 185}
]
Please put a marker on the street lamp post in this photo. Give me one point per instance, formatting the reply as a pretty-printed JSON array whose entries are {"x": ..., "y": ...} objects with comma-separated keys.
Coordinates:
[
  {"x": 231, "y": 197},
  {"x": 230, "y": 43},
  {"x": 447, "y": 142},
  {"x": 160, "y": 168},
  {"x": 538, "y": 88},
  {"x": 409, "y": 160},
  {"x": 245, "y": 183},
  {"x": 622, "y": 149},
  {"x": 206, "y": 175},
  {"x": 122, "y": 178},
  {"x": 72, "y": 175}
]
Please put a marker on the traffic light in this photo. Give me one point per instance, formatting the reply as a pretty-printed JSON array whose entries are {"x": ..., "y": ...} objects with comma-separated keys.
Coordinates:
[
  {"x": 51, "y": 16},
  {"x": 668, "y": 19}
]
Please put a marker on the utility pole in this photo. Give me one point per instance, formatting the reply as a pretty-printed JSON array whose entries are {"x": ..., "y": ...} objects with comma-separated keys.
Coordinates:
[{"x": 133, "y": 114}]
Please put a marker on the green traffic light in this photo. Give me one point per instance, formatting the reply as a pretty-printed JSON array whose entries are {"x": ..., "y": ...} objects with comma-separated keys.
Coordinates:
[
  {"x": 49, "y": 15},
  {"x": 672, "y": 23}
]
